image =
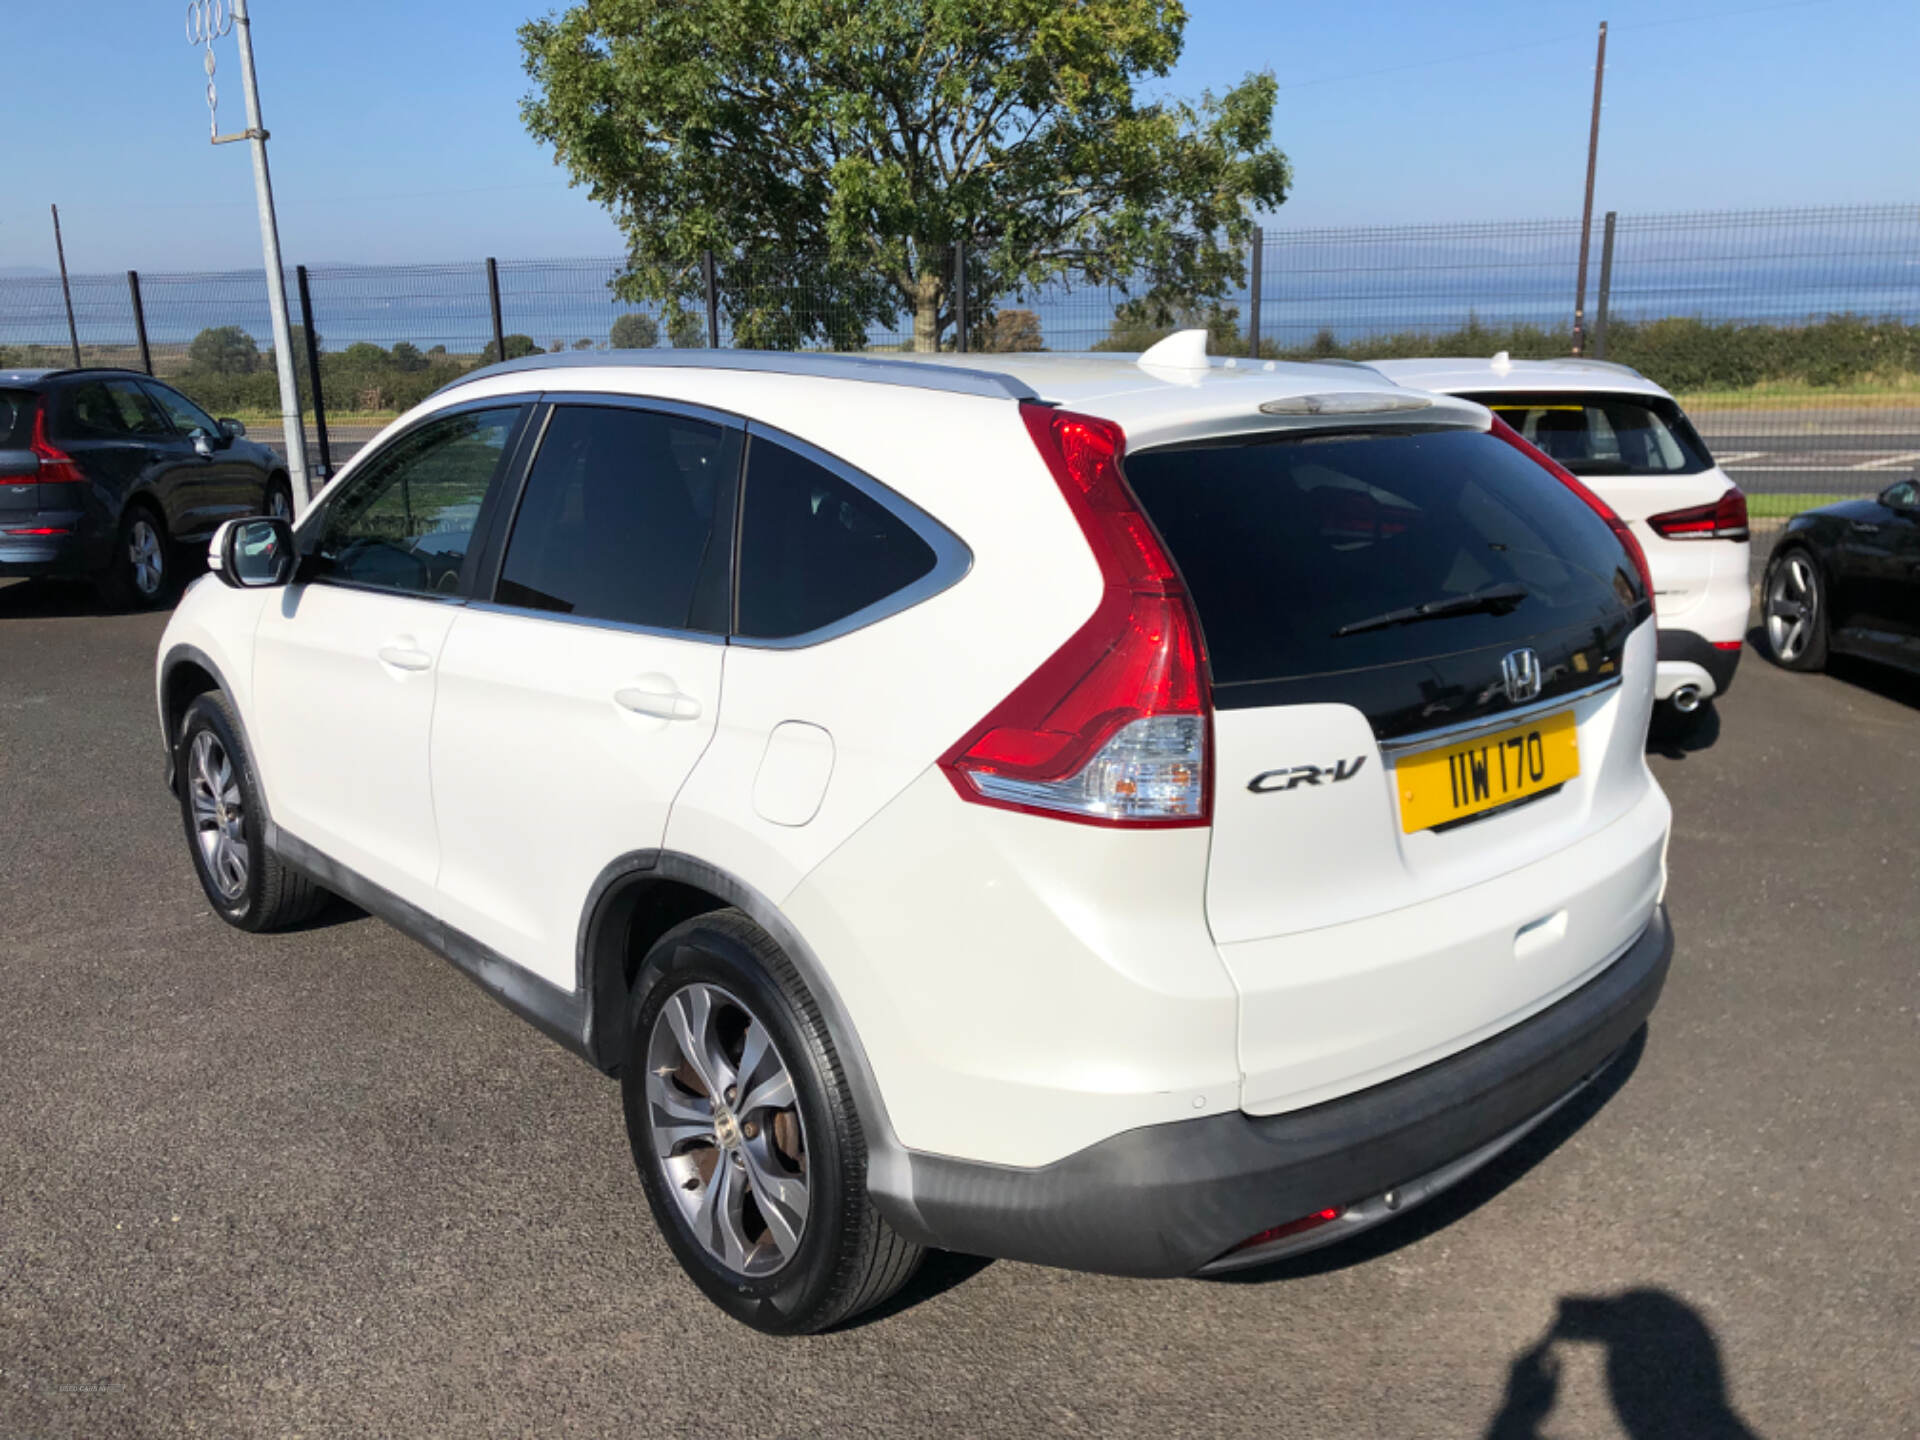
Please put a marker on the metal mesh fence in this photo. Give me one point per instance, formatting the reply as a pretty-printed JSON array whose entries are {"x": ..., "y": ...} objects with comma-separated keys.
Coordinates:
[{"x": 1792, "y": 336}]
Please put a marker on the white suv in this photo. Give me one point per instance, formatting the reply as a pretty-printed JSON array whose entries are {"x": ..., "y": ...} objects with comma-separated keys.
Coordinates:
[
  {"x": 1629, "y": 439},
  {"x": 948, "y": 839}
]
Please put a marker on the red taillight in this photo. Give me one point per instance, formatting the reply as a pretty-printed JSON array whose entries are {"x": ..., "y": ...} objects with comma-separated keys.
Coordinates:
[
  {"x": 1724, "y": 519},
  {"x": 1112, "y": 728},
  {"x": 39, "y": 530},
  {"x": 56, "y": 466},
  {"x": 1292, "y": 1227},
  {"x": 1599, "y": 507}
]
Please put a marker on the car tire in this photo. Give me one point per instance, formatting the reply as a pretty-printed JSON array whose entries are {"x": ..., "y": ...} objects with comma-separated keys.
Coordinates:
[
  {"x": 225, "y": 824},
  {"x": 139, "y": 574},
  {"x": 727, "y": 1181},
  {"x": 278, "y": 500},
  {"x": 1793, "y": 610}
]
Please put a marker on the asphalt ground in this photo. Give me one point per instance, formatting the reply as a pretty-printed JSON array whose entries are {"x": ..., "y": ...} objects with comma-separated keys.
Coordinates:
[{"x": 318, "y": 1184}]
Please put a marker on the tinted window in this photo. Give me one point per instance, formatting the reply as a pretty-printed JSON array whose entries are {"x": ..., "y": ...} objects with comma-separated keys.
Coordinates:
[
  {"x": 186, "y": 415},
  {"x": 618, "y": 520},
  {"x": 16, "y": 417},
  {"x": 815, "y": 549},
  {"x": 1605, "y": 434},
  {"x": 112, "y": 410},
  {"x": 1283, "y": 543},
  {"x": 405, "y": 519}
]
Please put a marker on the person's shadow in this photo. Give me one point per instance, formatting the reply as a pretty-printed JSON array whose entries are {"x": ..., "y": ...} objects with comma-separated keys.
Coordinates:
[{"x": 1663, "y": 1370}]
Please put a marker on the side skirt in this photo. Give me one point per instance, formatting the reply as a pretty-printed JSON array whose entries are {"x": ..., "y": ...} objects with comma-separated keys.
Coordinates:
[{"x": 560, "y": 1014}]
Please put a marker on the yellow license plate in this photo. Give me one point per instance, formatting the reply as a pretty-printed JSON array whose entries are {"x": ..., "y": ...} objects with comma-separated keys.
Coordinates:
[{"x": 1455, "y": 781}]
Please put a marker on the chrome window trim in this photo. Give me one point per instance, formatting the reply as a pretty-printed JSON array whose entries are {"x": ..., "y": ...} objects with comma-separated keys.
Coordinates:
[
  {"x": 877, "y": 370},
  {"x": 952, "y": 558},
  {"x": 1466, "y": 729},
  {"x": 657, "y": 632}
]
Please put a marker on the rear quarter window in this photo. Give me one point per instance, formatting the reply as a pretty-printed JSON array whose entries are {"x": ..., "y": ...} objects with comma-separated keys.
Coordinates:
[{"x": 817, "y": 549}]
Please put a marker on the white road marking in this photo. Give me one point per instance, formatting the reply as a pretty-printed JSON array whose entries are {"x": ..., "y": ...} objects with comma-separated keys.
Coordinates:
[{"x": 1888, "y": 462}]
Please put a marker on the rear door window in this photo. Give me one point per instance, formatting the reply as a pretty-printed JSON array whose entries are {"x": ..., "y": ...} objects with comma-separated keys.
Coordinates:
[
  {"x": 1605, "y": 434},
  {"x": 626, "y": 517},
  {"x": 112, "y": 410},
  {"x": 817, "y": 548},
  {"x": 1298, "y": 551}
]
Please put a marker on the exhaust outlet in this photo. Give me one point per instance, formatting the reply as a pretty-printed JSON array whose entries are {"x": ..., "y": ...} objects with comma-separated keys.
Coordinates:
[{"x": 1687, "y": 699}]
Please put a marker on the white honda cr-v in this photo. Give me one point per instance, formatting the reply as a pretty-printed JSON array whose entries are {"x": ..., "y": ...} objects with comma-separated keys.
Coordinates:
[
  {"x": 1142, "y": 816},
  {"x": 1629, "y": 440}
]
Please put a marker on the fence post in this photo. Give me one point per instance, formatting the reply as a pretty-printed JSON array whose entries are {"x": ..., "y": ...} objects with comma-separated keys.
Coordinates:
[
  {"x": 960, "y": 293},
  {"x": 1256, "y": 261},
  {"x": 493, "y": 294},
  {"x": 139, "y": 320},
  {"x": 713, "y": 300},
  {"x": 1606, "y": 288},
  {"x": 73, "y": 331},
  {"x": 313, "y": 371}
]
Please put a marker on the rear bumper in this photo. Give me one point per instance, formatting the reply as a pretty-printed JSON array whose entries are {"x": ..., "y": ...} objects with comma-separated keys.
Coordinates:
[
  {"x": 1172, "y": 1199},
  {"x": 1682, "y": 652},
  {"x": 31, "y": 555}
]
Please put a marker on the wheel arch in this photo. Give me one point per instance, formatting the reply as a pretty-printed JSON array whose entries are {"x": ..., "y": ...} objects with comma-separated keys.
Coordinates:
[
  {"x": 186, "y": 674},
  {"x": 643, "y": 894}
]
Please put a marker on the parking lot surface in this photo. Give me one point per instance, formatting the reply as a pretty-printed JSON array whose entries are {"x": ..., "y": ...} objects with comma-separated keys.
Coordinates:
[{"x": 318, "y": 1184}]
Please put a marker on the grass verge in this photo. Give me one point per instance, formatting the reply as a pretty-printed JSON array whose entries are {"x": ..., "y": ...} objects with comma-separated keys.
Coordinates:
[{"x": 1779, "y": 507}]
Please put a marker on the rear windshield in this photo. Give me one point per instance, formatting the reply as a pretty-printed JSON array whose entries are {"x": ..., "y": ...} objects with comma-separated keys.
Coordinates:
[
  {"x": 1605, "y": 434},
  {"x": 16, "y": 418},
  {"x": 1291, "y": 546}
]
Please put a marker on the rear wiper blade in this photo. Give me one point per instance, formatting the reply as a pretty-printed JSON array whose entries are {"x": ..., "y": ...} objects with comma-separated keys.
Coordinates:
[{"x": 1494, "y": 600}]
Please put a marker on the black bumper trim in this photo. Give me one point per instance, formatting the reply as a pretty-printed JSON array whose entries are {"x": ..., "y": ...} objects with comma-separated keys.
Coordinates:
[
  {"x": 1698, "y": 650},
  {"x": 1165, "y": 1200}
]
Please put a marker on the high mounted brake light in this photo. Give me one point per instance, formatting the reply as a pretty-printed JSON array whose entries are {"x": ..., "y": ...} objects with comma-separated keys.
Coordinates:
[
  {"x": 1566, "y": 477},
  {"x": 1112, "y": 729},
  {"x": 1724, "y": 519}
]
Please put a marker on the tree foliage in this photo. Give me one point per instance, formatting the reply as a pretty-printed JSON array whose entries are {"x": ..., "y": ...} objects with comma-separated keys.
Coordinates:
[
  {"x": 634, "y": 331},
  {"x": 847, "y": 146},
  {"x": 223, "y": 350}
]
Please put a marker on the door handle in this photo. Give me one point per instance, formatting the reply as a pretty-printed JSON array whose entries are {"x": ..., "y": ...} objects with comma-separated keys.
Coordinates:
[
  {"x": 1865, "y": 527},
  {"x": 658, "y": 696},
  {"x": 403, "y": 654}
]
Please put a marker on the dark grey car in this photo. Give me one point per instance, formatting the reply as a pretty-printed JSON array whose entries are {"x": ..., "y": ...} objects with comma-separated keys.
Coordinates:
[{"x": 104, "y": 472}]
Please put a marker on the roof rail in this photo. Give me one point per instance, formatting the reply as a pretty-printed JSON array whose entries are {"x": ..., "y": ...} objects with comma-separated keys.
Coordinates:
[{"x": 875, "y": 369}]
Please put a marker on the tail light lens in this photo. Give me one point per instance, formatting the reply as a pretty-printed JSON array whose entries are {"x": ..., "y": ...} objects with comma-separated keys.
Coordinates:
[
  {"x": 1594, "y": 503},
  {"x": 56, "y": 466},
  {"x": 1724, "y": 519},
  {"x": 1112, "y": 729}
]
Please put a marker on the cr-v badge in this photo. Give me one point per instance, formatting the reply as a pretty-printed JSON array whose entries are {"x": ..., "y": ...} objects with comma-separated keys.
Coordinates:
[{"x": 1268, "y": 780}]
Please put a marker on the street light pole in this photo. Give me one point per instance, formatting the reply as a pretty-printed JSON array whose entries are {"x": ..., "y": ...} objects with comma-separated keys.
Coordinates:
[{"x": 204, "y": 25}]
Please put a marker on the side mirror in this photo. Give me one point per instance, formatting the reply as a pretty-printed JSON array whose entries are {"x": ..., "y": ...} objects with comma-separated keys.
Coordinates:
[
  {"x": 253, "y": 554},
  {"x": 232, "y": 428},
  {"x": 1905, "y": 495}
]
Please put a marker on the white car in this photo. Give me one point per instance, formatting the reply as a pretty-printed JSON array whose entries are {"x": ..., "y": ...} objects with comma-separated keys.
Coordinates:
[
  {"x": 1629, "y": 439},
  {"x": 948, "y": 839}
]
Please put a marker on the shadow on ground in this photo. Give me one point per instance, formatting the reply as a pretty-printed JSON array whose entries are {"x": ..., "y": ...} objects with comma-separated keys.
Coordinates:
[
  {"x": 1662, "y": 1364},
  {"x": 1890, "y": 683}
]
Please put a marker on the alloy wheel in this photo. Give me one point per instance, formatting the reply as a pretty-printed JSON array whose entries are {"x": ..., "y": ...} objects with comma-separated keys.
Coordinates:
[
  {"x": 727, "y": 1131},
  {"x": 218, "y": 815},
  {"x": 1792, "y": 598},
  {"x": 147, "y": 556},
  {"x": 278, "y": 505}
]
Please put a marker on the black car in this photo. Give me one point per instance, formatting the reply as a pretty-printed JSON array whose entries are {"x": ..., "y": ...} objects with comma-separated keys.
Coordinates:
[
  {"x": 1845, "y": 579},
  {"x": 103, "y": 471}
]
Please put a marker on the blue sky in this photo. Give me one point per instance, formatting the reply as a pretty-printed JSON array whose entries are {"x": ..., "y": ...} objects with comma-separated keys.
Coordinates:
[{"x": 397, "y": 136}]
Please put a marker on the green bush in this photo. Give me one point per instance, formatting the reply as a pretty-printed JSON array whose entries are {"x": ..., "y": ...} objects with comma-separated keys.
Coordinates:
[
  {"x": 223, "y": 350},
  {"x": 634, "y": 331}
]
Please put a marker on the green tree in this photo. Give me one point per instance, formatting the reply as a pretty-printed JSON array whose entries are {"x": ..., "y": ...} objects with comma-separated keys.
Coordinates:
[
  {"x": 406, "y": 357},
  {"x": 688, "y": 330},
  {"x": 517, "y": 346},
  {"x": 634, "y": 331},
  {"x": 223, "y": 350},
  {"x": 845, "y": 148}
]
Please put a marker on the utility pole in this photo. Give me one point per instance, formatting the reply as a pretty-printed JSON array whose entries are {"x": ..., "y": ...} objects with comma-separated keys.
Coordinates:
[
  {"x": 1586, "y": 210},
  {"x": 207, "y": 21},
  {"x": 66, "y": 290}
]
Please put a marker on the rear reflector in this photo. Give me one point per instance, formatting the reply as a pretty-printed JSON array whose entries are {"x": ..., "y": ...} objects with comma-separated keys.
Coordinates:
[
  {"x": 1724, "y": 519},
  {"x": 56, "y": 466},
  {"x": 1112, "y": 728},
  {"x": 1292, "y": 1227},
  {"x": 39, "y": 530},
  {"x": 1594, "y": 503},
  {"x": 1728, "y": 644}
]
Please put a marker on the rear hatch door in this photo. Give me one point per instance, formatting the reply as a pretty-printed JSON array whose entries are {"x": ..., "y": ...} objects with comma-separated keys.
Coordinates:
[{"x": 1375, "y": 761}]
